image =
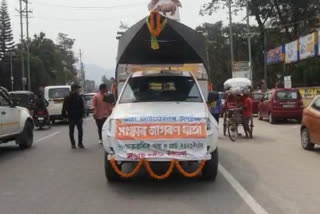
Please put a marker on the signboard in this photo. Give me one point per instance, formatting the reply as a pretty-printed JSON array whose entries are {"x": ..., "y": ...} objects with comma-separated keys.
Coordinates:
[
  {"x": 287, "y": 82},
  {"x": 241, "y": 69},
  {"x": 307, "y": 46},
  {"x": 276, "y": 55},
  {"x": 319, "y": 42},
  {"x": 292, "y": 52},
  {"x": 308, "y": 94},
  {"x": 161, "y": 138},
  {"x": 169, "y": 8}
]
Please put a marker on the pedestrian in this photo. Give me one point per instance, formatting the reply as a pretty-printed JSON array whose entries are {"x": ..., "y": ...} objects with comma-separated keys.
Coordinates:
[
  {"x": 73, "y": 109},
  {"x": 215, "y": 105},
  {"x": 247, "y": 112},
  {"x": 101, "y": 109}
]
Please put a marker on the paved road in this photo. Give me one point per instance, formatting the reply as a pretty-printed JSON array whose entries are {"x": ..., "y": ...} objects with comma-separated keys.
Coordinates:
[{"x": 269, "y": 174}]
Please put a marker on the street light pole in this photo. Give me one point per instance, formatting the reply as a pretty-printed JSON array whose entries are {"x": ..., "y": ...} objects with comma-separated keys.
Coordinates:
[
  {"x": 231, "y": 34},
  {"x": 265, "y": 58},
  {"x": 11, "y": 72},
  {"x": 22, "y": 47},
  {"x": 249, "y": 42},
  {"x": 28, "y": 40}
]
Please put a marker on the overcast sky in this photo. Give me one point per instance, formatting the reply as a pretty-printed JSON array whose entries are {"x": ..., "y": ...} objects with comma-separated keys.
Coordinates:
[{"x": 95, "y": 28}]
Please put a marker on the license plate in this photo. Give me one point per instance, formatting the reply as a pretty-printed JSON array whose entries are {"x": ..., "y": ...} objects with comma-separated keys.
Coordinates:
[
  {"x": 40, "y": 118},
  {"x": 288, "y": 106}
]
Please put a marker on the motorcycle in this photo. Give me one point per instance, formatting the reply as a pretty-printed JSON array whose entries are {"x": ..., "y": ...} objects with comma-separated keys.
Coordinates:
[{"x": 41, "y": 118}]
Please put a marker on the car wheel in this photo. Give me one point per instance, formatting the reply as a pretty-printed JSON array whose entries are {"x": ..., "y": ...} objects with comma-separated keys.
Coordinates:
[
  {"x": 210, "y": 170},
  {"x": 259, "y": 116},
  {"x": 25, "y": 139},
  {"x": 271, "y": 119},
  {"x": 305, "y": 140},
  {"x": 111, "y": 175}
]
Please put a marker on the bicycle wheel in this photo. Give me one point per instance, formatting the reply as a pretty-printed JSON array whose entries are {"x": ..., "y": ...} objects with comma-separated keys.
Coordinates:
[
  {"x": 233, "y": 131},
  {"x": 225, "y": 124}
]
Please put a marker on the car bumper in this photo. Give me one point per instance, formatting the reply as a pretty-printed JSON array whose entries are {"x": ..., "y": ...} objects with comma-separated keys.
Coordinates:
[{"x": 287, "y": 114}]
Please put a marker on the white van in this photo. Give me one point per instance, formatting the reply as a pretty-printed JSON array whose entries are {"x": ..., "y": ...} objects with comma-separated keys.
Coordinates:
[{"x": 55, "y": 96}]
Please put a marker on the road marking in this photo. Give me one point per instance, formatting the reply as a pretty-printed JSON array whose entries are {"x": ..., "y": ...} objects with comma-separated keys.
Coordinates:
[
  {"x": 251, "y": 202},
  {"x": 47, "y": 137}
]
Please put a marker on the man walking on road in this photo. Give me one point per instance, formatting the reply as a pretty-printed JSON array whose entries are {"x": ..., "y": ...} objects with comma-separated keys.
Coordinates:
[
  {"x": 73, "y": 109},
  {"x": 101, "y": 109}
]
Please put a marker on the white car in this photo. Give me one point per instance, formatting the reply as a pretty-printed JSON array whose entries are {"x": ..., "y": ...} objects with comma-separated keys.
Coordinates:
[
  {"x": 15, "y": 122},
  {"x": 55, "y": 96},
  {"x": 161, "y": 116}
]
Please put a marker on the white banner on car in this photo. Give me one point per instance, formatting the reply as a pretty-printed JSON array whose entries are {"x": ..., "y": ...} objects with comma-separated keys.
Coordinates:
[{"x": 161, "y": 138}]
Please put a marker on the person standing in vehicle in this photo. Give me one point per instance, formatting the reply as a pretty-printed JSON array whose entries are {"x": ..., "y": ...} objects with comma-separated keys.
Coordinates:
[
  {"x": 215, "y": 106},
  {"x": 101, "y": 109},
  {"x": 73, "y": 109}
]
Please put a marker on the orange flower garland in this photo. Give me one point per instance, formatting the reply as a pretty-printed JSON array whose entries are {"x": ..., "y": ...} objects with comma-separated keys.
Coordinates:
[
  {"x": 155, "y": 176},
  {"x": 155, "y": 32},
  {"x": 126, "y": 175},
  {"x": 159, "y": 177},
  {"x": 193, "y": 174}
]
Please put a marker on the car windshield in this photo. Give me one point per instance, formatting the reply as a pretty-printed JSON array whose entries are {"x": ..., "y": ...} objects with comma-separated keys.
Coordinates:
[
  {"x": 287, "y": 95},
  {"x": 57, "y": 93},
  {"x": 257, "y": 96},
  {"x": 161, "y": 89},
  {"x": 88, "y": 98},
  {"x": 222, "y": 96},
  {"x": 23, "y": 100}
]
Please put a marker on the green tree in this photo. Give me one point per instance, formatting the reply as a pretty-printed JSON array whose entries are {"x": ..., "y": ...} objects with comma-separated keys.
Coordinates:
[
  {"x": 67, "y": 56},
  {"x": 217, "y": 37},
  {"x": 6, "y": 38}
]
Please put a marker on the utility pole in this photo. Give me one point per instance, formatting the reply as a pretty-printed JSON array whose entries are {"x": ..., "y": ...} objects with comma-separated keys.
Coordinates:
[
  {"x": 11, "y": 72},
  {"x": 265, "y": 58},
  {"x": 231, "y": 34},
  {"x": 28, "y": 43},
  {"x": 249, "y": 42},
  {"x": 82, "y": 72},
  {"x": 22, "y": 46}
]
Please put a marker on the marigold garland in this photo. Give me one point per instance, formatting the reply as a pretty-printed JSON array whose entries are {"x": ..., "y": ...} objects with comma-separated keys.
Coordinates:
[
  {"x": 155, "y": 30},
  {"x": 173, "y": 164},
  {"x": 193, "y": 174},
  {"x": 126, "y": 175},
  {"x": 159, "y": 177}
]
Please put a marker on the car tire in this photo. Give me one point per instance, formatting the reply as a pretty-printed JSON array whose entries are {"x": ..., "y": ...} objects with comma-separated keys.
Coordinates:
[
  {"x": 271, "y": 119},
  {"x": 210, "y": 171},
  {"x": 111, "y": 175},
  {"x": 259, "y": 116},
  {"x": 305, "y": 140},
  {"x": 25, "y": 139}
]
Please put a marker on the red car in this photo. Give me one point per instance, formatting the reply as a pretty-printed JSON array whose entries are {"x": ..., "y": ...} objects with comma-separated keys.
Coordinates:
[
  {"x": 257, "y": 97},
  {"x": 280, "y": 104}
]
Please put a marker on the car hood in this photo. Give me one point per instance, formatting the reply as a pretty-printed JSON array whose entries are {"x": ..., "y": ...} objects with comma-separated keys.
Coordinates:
[{"x": 160, "y": 109}]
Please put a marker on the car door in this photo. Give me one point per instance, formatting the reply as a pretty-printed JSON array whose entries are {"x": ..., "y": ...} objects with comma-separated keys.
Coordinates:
[
  {"x": 314, "y": 126},
  {"x": 9, "y": 115}
]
